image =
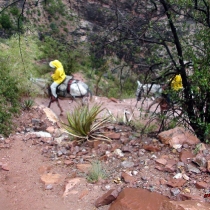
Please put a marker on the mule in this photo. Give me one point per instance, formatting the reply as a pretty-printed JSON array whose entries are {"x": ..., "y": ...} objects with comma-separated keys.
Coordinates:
[
  {"x": 152, "y": 90},
  {"x": 70, "y": 88}
]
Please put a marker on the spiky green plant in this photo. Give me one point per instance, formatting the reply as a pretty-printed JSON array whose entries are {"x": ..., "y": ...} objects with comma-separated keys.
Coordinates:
[
  {"x": 27, "y": 104},
  {"x": 96, "y": 172},
  {"x": 84, "y": 123}
]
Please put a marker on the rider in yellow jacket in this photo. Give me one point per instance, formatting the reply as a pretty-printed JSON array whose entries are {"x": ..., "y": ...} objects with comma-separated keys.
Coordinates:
[
  {"x": 58, "y": 76},
  {"x": 176, "y": 83}
]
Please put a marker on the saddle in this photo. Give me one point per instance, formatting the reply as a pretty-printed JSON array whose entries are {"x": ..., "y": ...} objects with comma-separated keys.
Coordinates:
[{"x": 72, "y": 88}]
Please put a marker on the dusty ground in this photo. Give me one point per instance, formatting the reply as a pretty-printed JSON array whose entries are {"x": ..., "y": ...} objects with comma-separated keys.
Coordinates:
[{"x": 25, "y": 160}]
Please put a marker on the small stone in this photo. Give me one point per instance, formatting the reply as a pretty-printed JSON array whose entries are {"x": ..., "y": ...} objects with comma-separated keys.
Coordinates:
[
  {"x": 127, "y": 164},
  {"x": 5, "y": 167},
  {"x": 128, "y": 178},
  {"x": 208, "y": 165},
  {"x": 161, "y": 161},
  {"x": 175, "y": 191},
  {"x": 176, "y": 182},
  {"x": 48, "y": 187},
  {"x": 152, "y": 148},
  {"x": 68, "y": 162},
  {"x": 119, "y": 152},
  {"x": 59, "y": 153},
  {"x": 187, "y": 190},
  {"x": 135, "y": 173},
  {"x": 185, "y": 177},
  {"x": 193, "y": 169},
  {"x": 178, "y": 176},
  {"x": 201, "y": 185}
]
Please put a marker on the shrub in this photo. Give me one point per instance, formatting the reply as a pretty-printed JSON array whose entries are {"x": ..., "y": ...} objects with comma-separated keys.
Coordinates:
[
  {"x": 14, "y": 11},
  {"x": 5, "y": 21},
  {"x": 9, "y": 100},
  {"x": 96, "y": 172}
]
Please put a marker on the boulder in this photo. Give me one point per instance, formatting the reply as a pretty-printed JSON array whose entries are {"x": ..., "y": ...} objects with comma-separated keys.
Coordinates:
[
  {"x": 137, "y": 199},
  {"x": 177, "y": 136},
  {"x": 184, "y": 205}
]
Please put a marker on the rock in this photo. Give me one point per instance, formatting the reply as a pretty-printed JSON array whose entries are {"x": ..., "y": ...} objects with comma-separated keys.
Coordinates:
[
  {"x": 170, "y": 166},
  {"x": 128, "y": 178},
  {"x": 161, "y": 161},
  {"x": 186, "y": 155},
  {"x": 184, "y": 197},
  {"x": 50, "y": 114},
  {"x": 208, "y": 165},
  {"x": 127, "y": 164},
  {"x": 178, "y": 176},
  {"x": 113, "y": 99},
  {"x": 41, "y": 134},
  {"x": 68, "y": 162},
  {"x": 202, "y": 185},
  {"x": 84, "y": 167},
  {"x": 193, "y": 169},
  {"x": 5, "y": 167},
  {"x": 44, "y": 169},
  {"x": 70, "y": 185},
  {"x": 185, "y": 177},
  {"x": 176, "y": 182},
  {"x": 50, "y": 178},
  {"x": 151, "y": 148},
  {"x": 50, "y": 129},
  {"x": 107, "y": 198},
  {"x": 113, "y": 135},
  {"x": 119, "y": 152},
  {"x": 175, "y": 191},
  {"x": 178, "y": 135},
  {"x": 184, "y": 205},
  {"x": 200, "y": 161},
  {"x": 136, "y": 199},
  {"x": 48, "y": 187}
]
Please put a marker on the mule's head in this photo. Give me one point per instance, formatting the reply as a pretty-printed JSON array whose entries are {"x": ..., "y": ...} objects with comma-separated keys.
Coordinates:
[{"x": 138, "y": 91}]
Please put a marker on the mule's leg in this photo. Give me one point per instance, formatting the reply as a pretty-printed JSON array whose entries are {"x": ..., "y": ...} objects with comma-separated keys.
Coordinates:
[
  {"x": 154, "y": 102},
  {"x": 61, "y": 110},
  {"x": 50, "y": 103},
  {"x": 87, "y": 97}
]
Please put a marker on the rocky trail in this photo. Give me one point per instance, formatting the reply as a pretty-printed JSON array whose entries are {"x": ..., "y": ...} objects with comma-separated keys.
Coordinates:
[{"x": 42, "y": 169}]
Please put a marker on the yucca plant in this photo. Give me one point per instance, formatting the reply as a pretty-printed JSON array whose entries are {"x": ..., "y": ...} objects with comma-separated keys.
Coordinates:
[
  {"x": 84, "y": 123},
  {"x": 27, "y": 104}
]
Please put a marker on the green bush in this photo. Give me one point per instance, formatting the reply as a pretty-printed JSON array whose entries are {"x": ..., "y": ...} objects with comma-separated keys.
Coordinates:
[
  {"x": 5, "y": 21},
  {"x": 14, "y": 11},
  {"x": 54, "y": 27},
  {"x": 9, "y": 101},
  {"x": 96, "y": 172}
]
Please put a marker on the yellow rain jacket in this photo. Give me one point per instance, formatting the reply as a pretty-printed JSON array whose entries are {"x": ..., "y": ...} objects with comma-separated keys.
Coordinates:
[
  {"x": 59, "y": 74},
  {"x": 176, "y": 83}
]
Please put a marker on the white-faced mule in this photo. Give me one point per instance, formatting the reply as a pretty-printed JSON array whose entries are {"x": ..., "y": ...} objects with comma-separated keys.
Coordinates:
[
  {"x": 152, "y": 90},
  {"x": 70, "y": 89}
]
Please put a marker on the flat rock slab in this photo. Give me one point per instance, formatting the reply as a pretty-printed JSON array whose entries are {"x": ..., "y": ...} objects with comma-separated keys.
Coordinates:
[{"x": 138, "y": 199}]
